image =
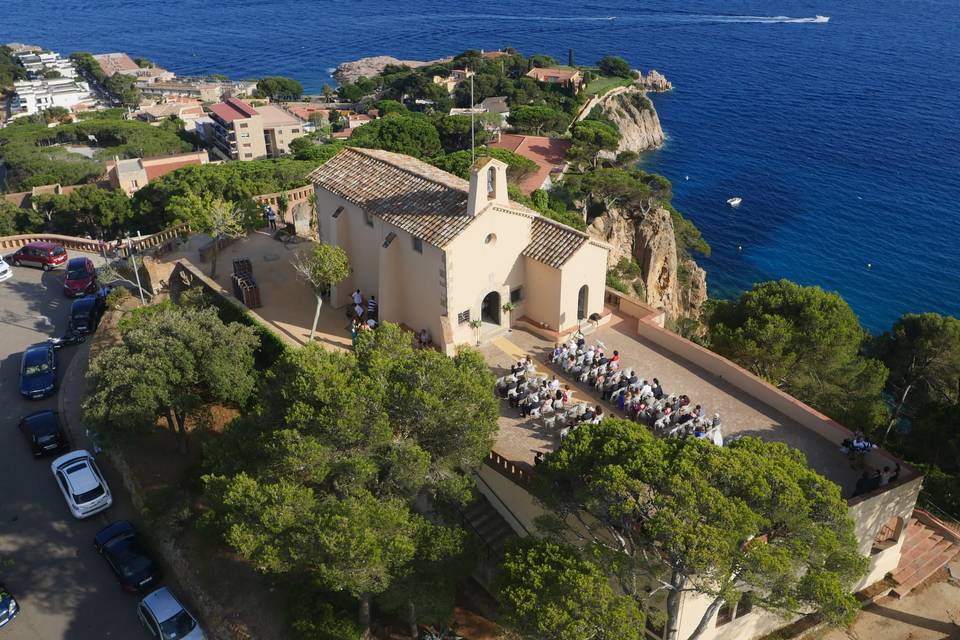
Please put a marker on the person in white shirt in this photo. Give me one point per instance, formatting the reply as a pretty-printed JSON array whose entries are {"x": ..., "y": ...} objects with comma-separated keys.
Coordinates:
[
  {"x": 646, "y": 389},
  {"x": 554, "y": 384},
  {"x": 357, "y": 298}
]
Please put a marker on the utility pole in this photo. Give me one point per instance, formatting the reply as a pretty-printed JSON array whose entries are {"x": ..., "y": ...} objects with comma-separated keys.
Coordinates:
[{"x": 473, "y": 157}]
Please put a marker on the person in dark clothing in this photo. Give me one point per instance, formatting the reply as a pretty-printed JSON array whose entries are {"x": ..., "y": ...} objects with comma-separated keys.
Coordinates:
[{"x": 862, "y": 483}]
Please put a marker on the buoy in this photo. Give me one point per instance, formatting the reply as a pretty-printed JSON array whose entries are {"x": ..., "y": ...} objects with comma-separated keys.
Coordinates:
[
  {"x": 686, "y": 177},
  {"x": 739, "y": 247},
  {"x": 869, "y": 265}
]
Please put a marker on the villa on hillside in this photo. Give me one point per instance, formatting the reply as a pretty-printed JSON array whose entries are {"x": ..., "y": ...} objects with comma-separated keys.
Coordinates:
[
  {"x": 439, "y": 252},
  {"x": 550, "y": 155},
  {"x": 563, "y": 77}
]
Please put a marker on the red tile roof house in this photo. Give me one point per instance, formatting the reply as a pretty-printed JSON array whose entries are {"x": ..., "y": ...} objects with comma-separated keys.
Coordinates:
[
  {"x": 563, "y": 77},
  {"x": 550, "y": 154}
]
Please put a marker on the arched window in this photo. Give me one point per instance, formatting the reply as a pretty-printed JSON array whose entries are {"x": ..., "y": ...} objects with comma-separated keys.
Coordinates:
[{"x": 582, "y": 301}]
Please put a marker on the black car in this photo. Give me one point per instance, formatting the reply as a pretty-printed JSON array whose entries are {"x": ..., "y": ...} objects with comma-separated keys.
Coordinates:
[
  {"x": 8, "y": 606},
  {"x": 85, "y": 313},
  {"x": 44, "y": 432},
  {"x": 135, "y": 569}
]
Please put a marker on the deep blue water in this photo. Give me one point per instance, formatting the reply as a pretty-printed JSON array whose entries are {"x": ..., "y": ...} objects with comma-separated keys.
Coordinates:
[{"x": 842, "y": 138}]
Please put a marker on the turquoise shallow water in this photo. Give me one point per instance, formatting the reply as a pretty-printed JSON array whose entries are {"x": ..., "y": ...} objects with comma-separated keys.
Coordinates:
[{"x": 841, "y": 138}]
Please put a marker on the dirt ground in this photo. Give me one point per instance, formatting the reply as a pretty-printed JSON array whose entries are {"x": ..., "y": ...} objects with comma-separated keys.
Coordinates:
[{"x": 930, "y": 612}]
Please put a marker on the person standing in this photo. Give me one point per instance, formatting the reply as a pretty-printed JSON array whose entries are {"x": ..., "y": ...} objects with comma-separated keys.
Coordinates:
[
  {"x": 372, "y": 307},
  {"x": 272, "y": 218}
]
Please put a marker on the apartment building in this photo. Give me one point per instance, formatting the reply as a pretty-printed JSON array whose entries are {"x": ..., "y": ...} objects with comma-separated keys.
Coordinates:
[
  {"x": 242, "y": 132},
  {"x": 202, "y": 91},
  {"x": 39, "y": 63},
  {"x": 35, "y": 96}
]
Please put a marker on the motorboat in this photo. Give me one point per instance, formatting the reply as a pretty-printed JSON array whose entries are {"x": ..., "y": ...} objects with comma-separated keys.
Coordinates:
[
  {"x": 735, "y": 201},
  {"x": 822, "y": 19}
]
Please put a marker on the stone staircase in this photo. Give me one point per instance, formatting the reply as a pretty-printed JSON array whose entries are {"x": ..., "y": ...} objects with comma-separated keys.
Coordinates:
[
  {"x": 489, "y": 525},
  {"x": 926, "y": 549}
]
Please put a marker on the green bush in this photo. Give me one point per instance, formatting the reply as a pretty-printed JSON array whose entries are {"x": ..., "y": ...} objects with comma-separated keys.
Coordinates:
[
  {"x": 941, "y": 490},
  {"x": 117, "y": 296},
  {"x": 316, "y": 614}
]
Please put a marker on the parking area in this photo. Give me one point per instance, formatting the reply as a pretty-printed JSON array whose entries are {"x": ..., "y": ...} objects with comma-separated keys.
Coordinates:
[{"x": 47, "y": 559}]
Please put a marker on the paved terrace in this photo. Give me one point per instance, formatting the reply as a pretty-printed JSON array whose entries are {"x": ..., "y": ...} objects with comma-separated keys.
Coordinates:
[{"x": 519, "y": 438}]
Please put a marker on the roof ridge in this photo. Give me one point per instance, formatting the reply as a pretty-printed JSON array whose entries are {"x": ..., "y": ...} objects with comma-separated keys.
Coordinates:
[{"x": 368, "y": 153}]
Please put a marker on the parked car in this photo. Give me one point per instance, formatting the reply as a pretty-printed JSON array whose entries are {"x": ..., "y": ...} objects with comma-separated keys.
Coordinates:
[
  {"x": 121, "y": 547},
  {"x": 85, "y": 313},
  {"x": 45, "y": 255},
  {"x": 166, "y": 619},
  {"x": 81, "y": 483},
  {"x": 38, "y": 371},
  {"x": 44, "y": 432},
  {"x": 5, "y": 271},
  {"x": 8, "y": 606},
  {"x": 81, "y": 277}
]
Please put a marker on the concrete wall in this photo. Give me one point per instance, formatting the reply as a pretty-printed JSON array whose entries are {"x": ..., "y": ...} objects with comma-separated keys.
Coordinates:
[
  {"x": 870, "y": 514},
  {"x": 476, "y": 267}
]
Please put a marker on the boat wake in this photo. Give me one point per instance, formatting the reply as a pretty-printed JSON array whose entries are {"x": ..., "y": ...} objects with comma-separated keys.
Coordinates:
[{"x": 751, "y": 19}]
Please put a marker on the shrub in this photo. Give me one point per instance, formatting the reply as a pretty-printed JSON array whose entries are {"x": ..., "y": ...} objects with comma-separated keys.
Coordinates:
[{"x": 117, "y": 296}]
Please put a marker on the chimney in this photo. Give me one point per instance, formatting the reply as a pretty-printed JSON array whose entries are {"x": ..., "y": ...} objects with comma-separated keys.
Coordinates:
[{"x": 488, "y": 185}]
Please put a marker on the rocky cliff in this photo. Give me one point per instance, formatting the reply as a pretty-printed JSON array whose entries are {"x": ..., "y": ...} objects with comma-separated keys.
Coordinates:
[
  {"x": 634, "y": 115},
  {"x": 369, "y": 67},
  {"x": 678, "y": 287}
]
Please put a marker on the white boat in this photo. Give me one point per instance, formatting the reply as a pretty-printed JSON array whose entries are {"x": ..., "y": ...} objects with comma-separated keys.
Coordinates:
[
  {"x": 735, "y": 201},
  {"x": 822, "y": 19}
]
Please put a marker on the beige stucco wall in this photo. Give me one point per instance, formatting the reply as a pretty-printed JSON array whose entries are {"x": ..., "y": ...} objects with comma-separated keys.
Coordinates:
[
  {"x": 258, "y": 146},
  {"x": 542, "y": 293},
  {"x": 282, "y": 135},
  {"x": 588, "y": 266},
  {"x": 755, "y": 624},
  {"x": 475, "y": 268},
  {"x": 870, "y": 514},
  {"x": 360, "y": 241}
]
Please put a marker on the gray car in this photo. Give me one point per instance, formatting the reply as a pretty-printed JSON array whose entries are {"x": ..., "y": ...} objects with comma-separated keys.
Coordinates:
[{"x": 166, "y": 619}]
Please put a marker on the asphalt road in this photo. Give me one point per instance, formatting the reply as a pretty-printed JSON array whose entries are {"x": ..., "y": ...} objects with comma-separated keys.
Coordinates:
[{"x": 65, "y": 589}]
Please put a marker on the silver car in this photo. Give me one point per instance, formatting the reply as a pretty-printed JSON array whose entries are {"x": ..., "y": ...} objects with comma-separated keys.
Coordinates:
[
  {"x": 5, "y": 271},
  {"x": 83, "y": 486},
  {"x": 166, "y": 619}
]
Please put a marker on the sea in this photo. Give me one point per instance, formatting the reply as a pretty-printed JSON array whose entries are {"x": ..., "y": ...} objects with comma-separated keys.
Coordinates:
[{"x": 841, "y": 138}]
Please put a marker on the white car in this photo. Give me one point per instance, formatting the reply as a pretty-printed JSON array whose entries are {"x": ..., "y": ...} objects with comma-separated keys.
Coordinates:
[
  {"x": 5, "y": 271},
  {"x": 81, "y": 483},
  {"x": 166, "y": 619}
]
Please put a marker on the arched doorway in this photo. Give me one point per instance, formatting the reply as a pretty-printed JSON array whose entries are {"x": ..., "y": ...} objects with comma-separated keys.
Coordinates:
[
  {"x": 582, "y": 301},
  {"x": 490, "y": 308}
]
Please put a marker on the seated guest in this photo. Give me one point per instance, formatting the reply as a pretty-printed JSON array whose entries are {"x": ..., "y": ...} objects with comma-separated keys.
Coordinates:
[
  {"x": 598, "y": 416},
  {"x": 657, "y": 389},
  {"x": 554, "y": 384},
  {"x": 615, "y": 357},
  {"x": 625, "y": 399},
  {"x": 632, "y": 379},
  {"x": 567, "y": 393},
  {"x": 645, "y": 389}
]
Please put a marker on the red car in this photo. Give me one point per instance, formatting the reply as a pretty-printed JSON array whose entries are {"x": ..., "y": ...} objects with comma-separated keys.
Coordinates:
[
  {"x": 81, "y": 277},
  {"x": 45, "y": 255}
]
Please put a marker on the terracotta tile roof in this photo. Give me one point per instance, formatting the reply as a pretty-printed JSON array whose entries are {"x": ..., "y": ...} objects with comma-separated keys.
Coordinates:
[
  {"x": 553, "y": 243},
  {"x": 543, "y": 74},
  {"x": 419, "y": 198},
  {"x": 233, "y": 109},
  {"x": 431, "y": 204},
  {"x": 550, "y": 154}
]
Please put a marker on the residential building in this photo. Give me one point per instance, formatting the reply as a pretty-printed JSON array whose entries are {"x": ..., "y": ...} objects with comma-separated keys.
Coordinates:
[
  {"x": 493, "y": 54},
  {"x": 34, "y": 96},
  {"x": 202, "y": 91},
  {"x": 243, "y": 132},
  {"x": 39, "y": 63},
  {"x": 550, "y": 155},
  {"x": 498, "y": 105},
  {"x": 466, "y": 111},
  {"x": 439, "y": 252},
  {"x": 456, "y": 77},
  {"x": 280, "y": 128},
  {"x": 111, "y": 63},
  {"x": 237, "y": 130},
  {"x": 355, "y": 120},
  {"x": 133, "y": 174},
  {"x": 189, "y": 111},
  {"x": 565, "y": 77}
]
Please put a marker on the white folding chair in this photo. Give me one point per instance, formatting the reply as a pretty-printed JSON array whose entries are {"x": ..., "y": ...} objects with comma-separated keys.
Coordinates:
[{"x": 549, "y": 423}]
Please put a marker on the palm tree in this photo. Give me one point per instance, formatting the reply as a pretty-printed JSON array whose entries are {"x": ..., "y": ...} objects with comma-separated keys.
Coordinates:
[{"x": 477, "y": 324}]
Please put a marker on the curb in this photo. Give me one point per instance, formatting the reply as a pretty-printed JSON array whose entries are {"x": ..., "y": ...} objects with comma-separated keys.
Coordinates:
[{"x": 62, "y": 395}]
